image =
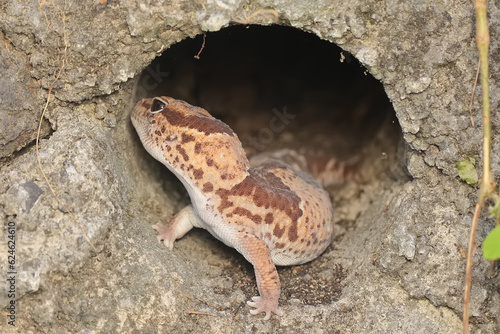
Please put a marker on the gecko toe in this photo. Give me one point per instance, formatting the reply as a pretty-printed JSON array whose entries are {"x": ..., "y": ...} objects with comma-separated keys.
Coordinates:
[
  {"x": 262, "y": 305},
  {"x": 164, "y": 235}
]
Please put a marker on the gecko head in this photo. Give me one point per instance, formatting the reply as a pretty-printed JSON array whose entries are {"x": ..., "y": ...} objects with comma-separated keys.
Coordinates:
[{"x": 185, "y": 137}]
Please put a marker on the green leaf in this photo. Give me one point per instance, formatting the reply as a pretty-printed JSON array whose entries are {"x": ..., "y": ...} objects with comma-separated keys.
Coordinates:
[
  {"x": 491, "y": 245},
  {"x": 467, "y": 171}
]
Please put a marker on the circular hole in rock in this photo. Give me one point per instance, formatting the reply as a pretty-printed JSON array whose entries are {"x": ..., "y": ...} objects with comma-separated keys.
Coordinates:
[{"x": 279, "y": 87}]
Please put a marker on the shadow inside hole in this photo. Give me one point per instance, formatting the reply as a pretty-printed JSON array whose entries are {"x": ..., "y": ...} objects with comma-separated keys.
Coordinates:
[{"x": 277, "y": 87}]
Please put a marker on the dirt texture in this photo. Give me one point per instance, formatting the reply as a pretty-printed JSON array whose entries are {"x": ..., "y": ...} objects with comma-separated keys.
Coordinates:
[{"x": 382, "y": 85}]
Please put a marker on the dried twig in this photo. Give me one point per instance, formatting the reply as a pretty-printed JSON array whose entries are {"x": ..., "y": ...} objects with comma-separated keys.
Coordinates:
[
  {"x": 200, "y": 313},
  {"x": 487, "y": 184},
  {"x": 202, "y": 47}
]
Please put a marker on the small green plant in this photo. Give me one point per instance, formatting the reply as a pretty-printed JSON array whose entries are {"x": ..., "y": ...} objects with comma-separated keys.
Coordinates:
[
  {"x": 467, "y": 171},
  {"x": 491, "y": 245}
]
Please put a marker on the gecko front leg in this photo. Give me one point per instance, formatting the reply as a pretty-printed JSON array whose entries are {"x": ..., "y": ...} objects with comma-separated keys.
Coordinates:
[
  {"x": 181, "y": 224},
  {"x": 268, "y": 282}
]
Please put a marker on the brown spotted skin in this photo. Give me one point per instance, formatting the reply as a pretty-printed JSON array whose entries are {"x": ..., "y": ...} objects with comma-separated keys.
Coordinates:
[{"x": 271, "y": 213}]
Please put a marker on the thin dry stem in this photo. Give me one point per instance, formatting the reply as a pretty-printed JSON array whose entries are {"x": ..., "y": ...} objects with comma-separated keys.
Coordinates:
[
  {"x": 487, "y": 184},
  {"x": 483, "y": 42},
  {"x": 468, "y": 271},
  {"x": 202, "y": 47},
  {"x": 200, "y": 313}
]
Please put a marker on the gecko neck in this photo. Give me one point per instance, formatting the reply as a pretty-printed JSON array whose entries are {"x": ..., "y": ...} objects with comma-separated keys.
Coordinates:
[{"x": 202, "y": 185}]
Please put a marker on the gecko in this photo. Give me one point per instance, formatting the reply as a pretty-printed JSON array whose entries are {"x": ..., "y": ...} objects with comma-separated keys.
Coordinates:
[{"x": 269, "y": 208}]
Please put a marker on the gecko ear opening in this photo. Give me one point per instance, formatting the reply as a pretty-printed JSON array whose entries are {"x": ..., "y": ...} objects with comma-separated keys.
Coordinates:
[{"x": 157, "y": 106}]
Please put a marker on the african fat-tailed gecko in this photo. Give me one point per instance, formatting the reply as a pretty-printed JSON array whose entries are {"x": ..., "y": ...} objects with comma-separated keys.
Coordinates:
[{"x": 270, "y": 212}]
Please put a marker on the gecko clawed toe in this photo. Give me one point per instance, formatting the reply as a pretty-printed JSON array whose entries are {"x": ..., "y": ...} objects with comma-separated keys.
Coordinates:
[
  {"x": 264, "y": 306},
  {"x": 271, "y": 212},
  {"x": 164, "y": 236}
]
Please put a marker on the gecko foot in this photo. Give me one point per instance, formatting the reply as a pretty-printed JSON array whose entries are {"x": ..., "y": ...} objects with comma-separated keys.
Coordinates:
[
  {"x": 264, "y": 305},
  {"x": 165, "y": 234}
]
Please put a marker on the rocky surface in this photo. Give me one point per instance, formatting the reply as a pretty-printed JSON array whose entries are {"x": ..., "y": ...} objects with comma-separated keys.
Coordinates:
[{"x": 397, "y": 264}]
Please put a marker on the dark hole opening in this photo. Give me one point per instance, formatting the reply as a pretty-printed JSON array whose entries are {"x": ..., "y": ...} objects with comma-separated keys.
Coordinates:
[
  {"x": 280, "y": 87},
  {"x": 277, "y": 87}
]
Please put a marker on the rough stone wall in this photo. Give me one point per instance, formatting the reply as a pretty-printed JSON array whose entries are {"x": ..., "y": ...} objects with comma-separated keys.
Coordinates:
[{"x": 404, "y": 257}]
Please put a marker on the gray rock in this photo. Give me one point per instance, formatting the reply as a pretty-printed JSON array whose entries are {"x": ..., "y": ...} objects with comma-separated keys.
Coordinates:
[{"x": 24, "y": 196}]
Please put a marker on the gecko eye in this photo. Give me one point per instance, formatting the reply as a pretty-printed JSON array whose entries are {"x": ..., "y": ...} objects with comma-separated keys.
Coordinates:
[{"x": 157, "y": 106}]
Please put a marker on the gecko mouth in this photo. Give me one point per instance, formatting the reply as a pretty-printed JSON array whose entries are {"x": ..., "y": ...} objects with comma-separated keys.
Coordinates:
[{"x": 139, "y": 108}]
